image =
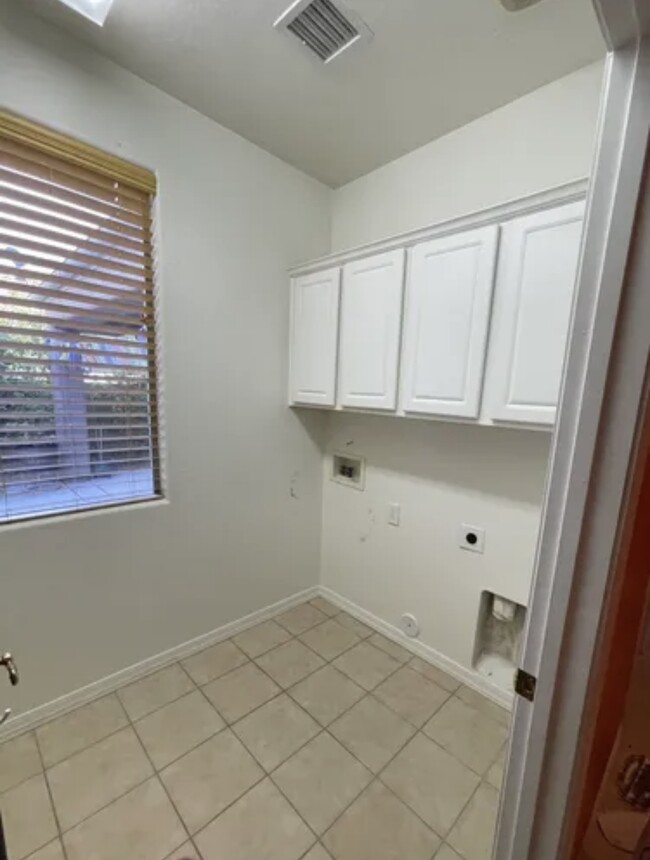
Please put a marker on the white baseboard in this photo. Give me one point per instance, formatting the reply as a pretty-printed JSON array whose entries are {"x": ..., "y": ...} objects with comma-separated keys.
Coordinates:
[
  {"x": 37, "y": 716},
  {"x": 469, "y": 677}
]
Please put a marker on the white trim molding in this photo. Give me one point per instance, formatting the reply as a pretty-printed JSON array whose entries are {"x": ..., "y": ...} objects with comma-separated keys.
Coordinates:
[
  {"x": 466, "y": 676},
  {"x": 568, "y": 193},
  {"x": 56, "y": 708}
]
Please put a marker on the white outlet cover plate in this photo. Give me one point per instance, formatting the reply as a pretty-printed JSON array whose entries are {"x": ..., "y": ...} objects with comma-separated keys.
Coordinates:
[{"x": 464, "y": 543}]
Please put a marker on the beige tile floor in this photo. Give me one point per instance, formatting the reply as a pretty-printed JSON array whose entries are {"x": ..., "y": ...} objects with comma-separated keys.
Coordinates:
[{"x": 309, "y": 736}]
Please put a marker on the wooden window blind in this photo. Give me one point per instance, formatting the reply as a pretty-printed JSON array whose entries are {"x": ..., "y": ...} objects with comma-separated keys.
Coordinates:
[{"x": 78, "y": 407}]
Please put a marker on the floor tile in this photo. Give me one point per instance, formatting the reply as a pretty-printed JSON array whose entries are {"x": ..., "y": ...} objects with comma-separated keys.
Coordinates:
[
  {"x": 261, "y": 824},
  {"x": 300, "y": 618},
  {"x": 484, "y": 705},
  {"x": 412, "y": 695},
  {"x": 154, "y": 691},
  {"x": 19, "y": 759},
  {"x": 275, "y": 731},
  {"x": 186, "y": 852},
  {"x": 317, "y": 853},
  {"x": 366, "y": 665},
  {"x": 351, "y": 623},
  {"x": 466, "y": 733},
  {"x": 321, "y": 780},
  {"x": 325, "y": 606},
  {"x": 447, "y": 853},
  {"x": 52, "y": 851},
  {"x": 390, "y": 647},
  {"x": 208, "y": 779},
  {"x": 261, "y": 638},
  {"x": 289, "y": 663},
  {"x": 433, "y": 673},
  {"x": 96, "y": 776},
  {"x": 432, "y": 782},
  {"x": 77, "y": 730},
  {"x": 214, "y": 662},
  {"x": 329, "y": 639},
  {"x": 176, "y": 728},
  {"x": 473, "y": 833},
  {"x": 326, "y": 694},
  {"x": 28, "y": 817},
  {"x": 372, "y": 732},
  {"x": 378, "y": 826},
  {"x": 495, "y": 773},
  {"x": 141, "y": 825},
  {"x": 239, "y": 692}
]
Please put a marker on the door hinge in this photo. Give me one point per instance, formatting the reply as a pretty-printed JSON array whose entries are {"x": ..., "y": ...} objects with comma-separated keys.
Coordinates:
[{"x": 525, "y": 684}]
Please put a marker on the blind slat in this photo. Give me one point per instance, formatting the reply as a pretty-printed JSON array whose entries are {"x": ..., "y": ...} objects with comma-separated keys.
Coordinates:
[
  {"x": 72, "y": 299},
  {"x": 16, "y": 232},
  {"x": 22, "y": 219},
  {"x": 80, "y": 422},
  {"x": 53, "y": 208},
  {"x": 70, "y": 317},
  {"x": 97, "y": 261},
  {"x": 26, "y": 206},
  {"x": 39, "y": 190},
  {"x": 84, "y": 190},
  {"x": 71, "y": 475},
  {"x": 77, "y": 292},
  {"x": 96, "y": 338},
  {"x": 126, "y": 351},
  {"x": 80, "y": 273}
]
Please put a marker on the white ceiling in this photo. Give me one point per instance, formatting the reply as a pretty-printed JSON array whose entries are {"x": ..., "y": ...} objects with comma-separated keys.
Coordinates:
[{"x": 432, "y": 66}]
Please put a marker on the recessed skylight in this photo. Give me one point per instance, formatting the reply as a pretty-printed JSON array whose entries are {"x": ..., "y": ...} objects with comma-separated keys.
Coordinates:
[{"x": 94, "y": 10}]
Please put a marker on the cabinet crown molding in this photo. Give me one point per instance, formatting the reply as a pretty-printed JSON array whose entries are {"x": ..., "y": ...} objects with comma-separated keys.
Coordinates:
[{"x": 566, "y": 193}]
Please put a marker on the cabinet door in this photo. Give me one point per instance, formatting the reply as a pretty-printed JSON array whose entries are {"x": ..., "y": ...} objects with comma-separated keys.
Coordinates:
[
  {"x": 314, "y": 336},
  {"x": 448, "y": 302},
  {"x": 371, "y": 319},
  {"x": 538, "y": 263}
]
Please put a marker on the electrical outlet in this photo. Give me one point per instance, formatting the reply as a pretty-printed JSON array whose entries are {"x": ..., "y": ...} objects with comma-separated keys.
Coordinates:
[{"x": 471, "y": 538}]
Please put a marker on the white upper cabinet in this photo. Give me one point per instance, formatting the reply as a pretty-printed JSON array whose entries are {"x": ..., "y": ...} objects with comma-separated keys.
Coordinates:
[
  {"x": 538, "y": 262},
  {"x": 314, "y": 336},
  {"x": 447, "y": 318},
  {"x": 371, "y": 314}
]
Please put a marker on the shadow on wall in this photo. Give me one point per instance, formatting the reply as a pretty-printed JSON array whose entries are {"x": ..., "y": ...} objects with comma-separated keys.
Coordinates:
[{"x": 490, "y": 461}]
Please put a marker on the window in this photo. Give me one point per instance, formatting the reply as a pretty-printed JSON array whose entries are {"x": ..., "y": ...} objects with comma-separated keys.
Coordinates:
[{"x": 78, "y": 412}]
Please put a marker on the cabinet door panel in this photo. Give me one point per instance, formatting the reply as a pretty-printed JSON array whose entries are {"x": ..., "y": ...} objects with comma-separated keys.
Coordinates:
[
  {"x": 371, "y": 319},
  {"x": 535, "y": 286},
  {"x": 448, "y": 304},
  {"x": 314, "y": 338}
]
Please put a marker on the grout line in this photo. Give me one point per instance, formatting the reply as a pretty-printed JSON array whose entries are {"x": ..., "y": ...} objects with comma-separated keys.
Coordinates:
[
  {"x": 232, "y": 802},
  {"x": 51, "y": 797},
  {"x": 145, "y": 678},
  {"x": 156, "y": 775},
  {"x": 268, "y": 774}
]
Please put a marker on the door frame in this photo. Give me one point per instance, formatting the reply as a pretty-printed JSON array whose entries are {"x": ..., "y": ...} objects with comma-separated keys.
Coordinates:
[{"x": 594, "y": 443}]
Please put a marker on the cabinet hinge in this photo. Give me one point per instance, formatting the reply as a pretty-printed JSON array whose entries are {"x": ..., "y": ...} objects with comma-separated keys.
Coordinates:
[{"x": 525, "y": 684}]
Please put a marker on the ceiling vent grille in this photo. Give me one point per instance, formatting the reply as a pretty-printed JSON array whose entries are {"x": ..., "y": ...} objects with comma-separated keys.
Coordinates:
[{"x": 322, "y": 27}]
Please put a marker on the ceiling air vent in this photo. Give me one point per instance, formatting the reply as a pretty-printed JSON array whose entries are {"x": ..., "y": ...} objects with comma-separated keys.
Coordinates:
[{"x": 322, "y": 27}]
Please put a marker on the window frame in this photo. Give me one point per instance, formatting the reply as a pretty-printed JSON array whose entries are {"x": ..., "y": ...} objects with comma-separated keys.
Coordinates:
[{"x": 77, "y": 153}]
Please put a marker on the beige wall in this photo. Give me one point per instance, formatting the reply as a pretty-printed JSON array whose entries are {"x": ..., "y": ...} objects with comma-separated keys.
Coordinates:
[
  {"x": 441, "y": 474},
  {"x": 83, "y": 597}
]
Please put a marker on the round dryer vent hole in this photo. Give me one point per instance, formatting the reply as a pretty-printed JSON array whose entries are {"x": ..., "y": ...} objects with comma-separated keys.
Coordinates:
[{"x": 410, "y": 625}]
